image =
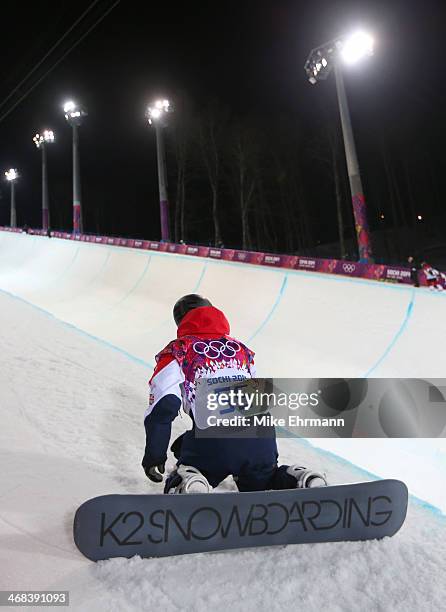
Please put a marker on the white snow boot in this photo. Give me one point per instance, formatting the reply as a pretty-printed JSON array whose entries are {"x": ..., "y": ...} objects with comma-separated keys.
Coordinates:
[
  {"x": 187, "y": 479},
  {"x": 306, "y": 478}
]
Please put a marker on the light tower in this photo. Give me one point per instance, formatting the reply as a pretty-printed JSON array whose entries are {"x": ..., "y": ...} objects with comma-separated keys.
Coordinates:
[
  {"x": 75, "y": 114},
  {"x": 41, "y": 140},
  {"x": 346, "y": 50},
  {"x": 157, "y": 115},
  {"x": 12, "y": 175}
]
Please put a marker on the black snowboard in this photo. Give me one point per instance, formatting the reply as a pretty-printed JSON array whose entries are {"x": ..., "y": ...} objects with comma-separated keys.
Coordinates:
[{"x": 162, "y": 525}]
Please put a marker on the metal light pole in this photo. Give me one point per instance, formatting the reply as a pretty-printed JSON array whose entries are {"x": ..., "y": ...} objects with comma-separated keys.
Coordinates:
[
  {"x": 318, "y": 66},
  {"x": 12, "y": 175},
  {"x": 74, "y": 114},
  {"x": 41, "y": 140},
  {"x": 157, "y": 115},
  {"x": 77, "y": 200},
  {"x": 356, "y": 190}
]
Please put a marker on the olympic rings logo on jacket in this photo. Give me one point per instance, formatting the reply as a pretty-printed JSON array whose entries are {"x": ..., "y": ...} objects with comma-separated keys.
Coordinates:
[{"x": 216, "y": 348}]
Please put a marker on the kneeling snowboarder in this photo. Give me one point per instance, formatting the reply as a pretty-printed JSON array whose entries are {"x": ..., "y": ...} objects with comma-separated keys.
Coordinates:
[{"x": 203, "y": 348}]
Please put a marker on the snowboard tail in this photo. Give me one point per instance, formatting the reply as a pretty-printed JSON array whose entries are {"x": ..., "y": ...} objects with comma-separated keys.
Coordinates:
[{"x": 163, "y": 525}]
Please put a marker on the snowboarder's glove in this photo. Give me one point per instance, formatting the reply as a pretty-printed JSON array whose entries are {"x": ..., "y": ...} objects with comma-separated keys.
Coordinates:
[{"x": 155, "y": 472}]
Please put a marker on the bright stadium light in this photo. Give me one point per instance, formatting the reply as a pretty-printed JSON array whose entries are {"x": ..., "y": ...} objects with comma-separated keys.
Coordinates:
[
  {"x": 41, "y": 141},
  {"x": 357, "y": 46},
  {"x": 321, "y": 61},
  {"x": 69, "y": 106},
  {"x": 350, "y": 49},
  {"x": 157, "y": 112},
  {"x": 74, "y": 114},
  {"x": 12, "y": 175},
  {"x": 157, "y": 115}
]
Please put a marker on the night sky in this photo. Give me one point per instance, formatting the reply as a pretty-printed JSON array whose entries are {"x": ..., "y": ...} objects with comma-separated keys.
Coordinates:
[{"x": 249, "y": 54}]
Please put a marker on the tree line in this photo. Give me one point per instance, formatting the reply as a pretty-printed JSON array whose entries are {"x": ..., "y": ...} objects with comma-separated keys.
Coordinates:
[
  {"x": 235, "y": 181},
  {"x": 279, "y": 184}
]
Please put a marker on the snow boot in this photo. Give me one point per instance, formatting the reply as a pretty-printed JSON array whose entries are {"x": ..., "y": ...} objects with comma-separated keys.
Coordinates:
[
  {"x": 306, "y": 478},
  {"x": 186, "y": 479}
]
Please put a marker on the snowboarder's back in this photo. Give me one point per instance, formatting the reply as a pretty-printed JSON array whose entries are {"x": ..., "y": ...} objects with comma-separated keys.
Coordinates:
[{"x": 204, "y": 348}]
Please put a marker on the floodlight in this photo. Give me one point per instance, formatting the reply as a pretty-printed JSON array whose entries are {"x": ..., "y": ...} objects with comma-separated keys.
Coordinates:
[
  {"x": 74, "y": 113},
  {"x": 69, "y": 106},
  {"x": 46, "y": 136},
  {"x": 357, "y": 46},
  {"x": 11, "y": 174},
  {"x": 157, "y": 112},
  {"x": 350, "y": 49}
]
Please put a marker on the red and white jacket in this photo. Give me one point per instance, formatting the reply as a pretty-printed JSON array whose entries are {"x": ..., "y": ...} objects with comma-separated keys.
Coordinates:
[{"x": 203, "y": 349}]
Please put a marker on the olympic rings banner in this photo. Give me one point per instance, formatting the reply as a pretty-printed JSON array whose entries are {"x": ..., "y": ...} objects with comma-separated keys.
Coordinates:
[{"x": 294, "y": 262}]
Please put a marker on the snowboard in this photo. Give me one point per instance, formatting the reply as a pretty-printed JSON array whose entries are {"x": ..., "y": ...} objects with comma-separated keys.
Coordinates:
[{"x": 163, "y": 525}]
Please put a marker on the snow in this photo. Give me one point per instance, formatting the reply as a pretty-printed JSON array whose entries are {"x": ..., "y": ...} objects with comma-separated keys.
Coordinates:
[{"x": 71, "y": 406}]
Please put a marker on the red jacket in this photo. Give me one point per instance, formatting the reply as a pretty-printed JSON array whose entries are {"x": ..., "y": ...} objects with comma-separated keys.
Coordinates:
[
  {"x": 206, "y": 322},
  {"x": 202, "y": 349}
]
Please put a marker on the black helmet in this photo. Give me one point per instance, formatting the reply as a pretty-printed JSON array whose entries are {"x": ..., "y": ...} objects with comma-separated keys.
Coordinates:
[{"x": 186, "y": 303}]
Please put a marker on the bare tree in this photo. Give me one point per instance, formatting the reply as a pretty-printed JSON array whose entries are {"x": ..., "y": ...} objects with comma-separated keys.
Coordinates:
[
  {"x": 244, "y": 162},
  {"x": 326, "y": 150},
  {"x": 397, "y": 208},
  {"x": 265, "y": 212},
  {"x": 289, "y": 189},
  {"x": 281, "y": 180},
  {"x": 182, "y": 131},
  {"x": 212, "y": 125}
]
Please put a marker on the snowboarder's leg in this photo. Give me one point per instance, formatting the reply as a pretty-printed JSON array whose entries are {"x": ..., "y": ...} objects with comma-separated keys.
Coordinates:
[
  {"x": 264, "y": 477},
  {"x": 187, "y": 479},
  {"x": 208, "y": 455},
  {"x": 256, "y": 477},
  {"x": 176, "y": 446}
]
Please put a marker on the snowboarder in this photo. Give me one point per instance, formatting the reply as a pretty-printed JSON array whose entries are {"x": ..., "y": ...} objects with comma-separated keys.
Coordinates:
[
  {"x": 433, "y": 277},
  {"x": 202, "y": 348}
]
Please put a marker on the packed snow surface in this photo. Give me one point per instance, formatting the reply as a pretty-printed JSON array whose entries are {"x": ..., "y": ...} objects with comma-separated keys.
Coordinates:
[{"x": 73, "y": 393}]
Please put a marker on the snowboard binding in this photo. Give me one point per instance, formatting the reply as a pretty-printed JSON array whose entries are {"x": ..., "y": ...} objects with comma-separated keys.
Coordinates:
[
  {"x": 186, "y": 479},
  {"x": 306, "y": 478}
]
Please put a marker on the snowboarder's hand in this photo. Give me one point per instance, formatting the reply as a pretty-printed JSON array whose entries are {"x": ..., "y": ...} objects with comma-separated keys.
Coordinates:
[{"x": 155, "y": 472}]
